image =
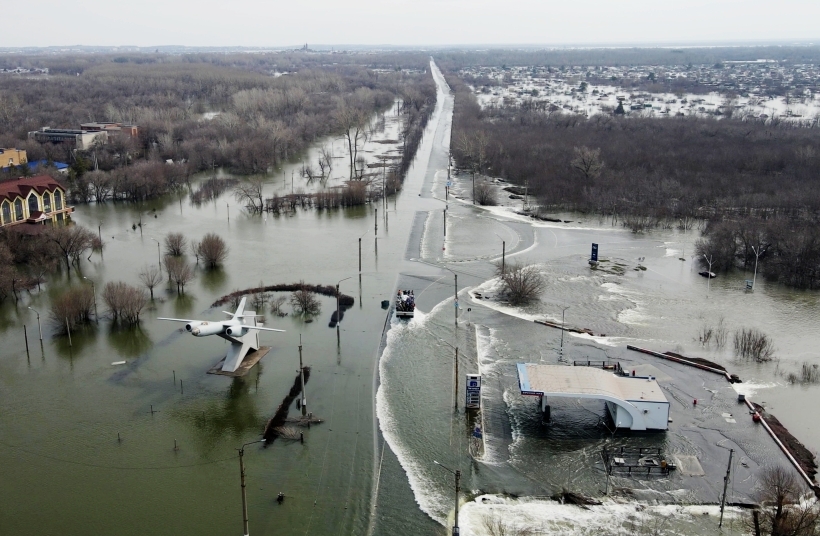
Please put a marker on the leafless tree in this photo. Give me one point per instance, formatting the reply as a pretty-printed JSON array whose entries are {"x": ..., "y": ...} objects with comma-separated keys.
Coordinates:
[
  {"x": 212, "y": 250},
  {"x": 175, "y": 244},
  {"x": 74, "y": 305},
  {"x": 276, "y": 305},
  {"x": 325, "y": 162},
  {"x": 151, "y": 276},
  {"x": 124, "y": 302},
  {"x": 485, "y": 194},
  {"x": 71, "y": 240},
  {"x": 783, "y": 510},
  {"x": 179, "y": 271},
  {"x": 753, "y": 343},
  {"x": 587, "y": 161},
  {"x": 100, "y": 184},
  {"x": 522, "y": 284},
  {"x": 304, "y": 301},
  {"x": 352, "y": 122},
  {"x": 249, "y": 193}
]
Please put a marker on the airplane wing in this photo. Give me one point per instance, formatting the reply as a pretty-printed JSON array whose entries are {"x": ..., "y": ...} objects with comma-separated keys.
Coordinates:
[
  {"x": 263, "y": 329},
  {"x": 178, "y": 319}
]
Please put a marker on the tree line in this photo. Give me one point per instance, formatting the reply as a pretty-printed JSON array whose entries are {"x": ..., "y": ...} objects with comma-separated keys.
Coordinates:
[
  {"x": 743, "y": 177},
  {"x": 261, "y": 120}
]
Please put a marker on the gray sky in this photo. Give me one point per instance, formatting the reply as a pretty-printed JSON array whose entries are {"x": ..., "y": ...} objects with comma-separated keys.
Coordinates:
[{"x": 418, "y": 22}]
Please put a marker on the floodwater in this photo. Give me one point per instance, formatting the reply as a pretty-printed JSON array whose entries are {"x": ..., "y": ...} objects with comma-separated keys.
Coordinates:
[{"x": 388, "y": 402}]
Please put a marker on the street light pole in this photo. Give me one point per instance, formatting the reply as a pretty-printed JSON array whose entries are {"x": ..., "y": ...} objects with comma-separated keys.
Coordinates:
[
  {"x": 38, "y": 323},
  {"x": 757, "y": 255},
  {"x": 94, "y": 291},
  {"x": 242, "y": 480},
  {"x": 563, "y": 310},
  {"x": 159, "y": 255},
  {"x": 338, "y": 296},
  {"x": 457, "y": 475},
  {"x": 709, "y": 275}
]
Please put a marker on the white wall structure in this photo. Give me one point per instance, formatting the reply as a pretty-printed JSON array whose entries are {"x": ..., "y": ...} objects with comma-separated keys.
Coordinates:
[{"x": 636, "y": 403}]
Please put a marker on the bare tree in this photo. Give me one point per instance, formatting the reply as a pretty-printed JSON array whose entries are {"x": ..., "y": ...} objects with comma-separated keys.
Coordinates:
[
  {"x": 325, "y": 162},
  {"x": 352, "y": 121},
  {"x": 72, "y": 241},
  {"x": 587, "y": 161},
  {"x": 304, "y": 301},
  {"x": 124, "y": 301},
  {"x": 212, "y": 250},
  {"x": 522, "y": 284},
  {"x": 249, "y": 193},
  {"x": 151, "y": 276},
  {"x": 783, "y": 512},
  {"x": 179, "y": 271},
  {"x": 175, "y": 244},
  {"x": 276, "y": 305},
  {"x": 485, "y": 194},
  {"x": 753, "y": 343},
  {"x": 73, "y": 306}
]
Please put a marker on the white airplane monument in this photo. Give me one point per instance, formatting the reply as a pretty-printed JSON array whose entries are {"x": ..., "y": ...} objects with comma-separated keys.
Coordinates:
[{"x": 243, "y": 337}]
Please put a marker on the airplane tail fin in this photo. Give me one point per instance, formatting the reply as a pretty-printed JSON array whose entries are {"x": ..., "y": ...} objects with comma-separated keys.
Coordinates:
[{"x": 241, "y": 309}]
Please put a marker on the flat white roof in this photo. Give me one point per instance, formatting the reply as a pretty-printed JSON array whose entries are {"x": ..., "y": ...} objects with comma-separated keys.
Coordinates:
[{"x": 560, "y": 380}]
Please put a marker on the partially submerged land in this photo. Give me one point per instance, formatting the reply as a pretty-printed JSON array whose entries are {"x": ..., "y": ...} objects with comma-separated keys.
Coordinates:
[{"x": 349, "y": 474}]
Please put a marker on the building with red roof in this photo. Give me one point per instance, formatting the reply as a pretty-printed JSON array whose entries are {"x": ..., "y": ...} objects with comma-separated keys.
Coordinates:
[{"x": 32, "y": 200}]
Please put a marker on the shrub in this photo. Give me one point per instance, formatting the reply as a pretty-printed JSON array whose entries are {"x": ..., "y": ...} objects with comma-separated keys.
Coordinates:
[
  {"x": 175, "y": 244},
  {"x": 74, "y": 305},
  {"x": 753, "y": 344},
  {"x": 485, "y": 194},
  {"x": 522, "y": 284},
  {"x": 212, "y": 250},
  {"x": 304, "y": 301},
  {"x": 124, "y": 301}
]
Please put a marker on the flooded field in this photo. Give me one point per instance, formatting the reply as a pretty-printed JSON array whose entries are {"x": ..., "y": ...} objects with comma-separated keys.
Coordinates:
[{"x": 95, "y": 442}]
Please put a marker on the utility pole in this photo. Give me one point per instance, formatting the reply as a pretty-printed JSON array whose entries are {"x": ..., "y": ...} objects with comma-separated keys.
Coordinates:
[
  {"x": 457, "y": 475},
  {"x": 725, "y": 484},
  {"x": 455, "y": 390},
  {"x": 302, "y": 376},
  {"x": 455, "y": 293},
  {"x": 360, "y": 256},
  {"x": 376, "y": 222},
  {"x": 474, "y": 187},
  {"x": 242, "y": 480},
  {"x": 503, "y": 257},
  {"x": 445, "y": 222}
]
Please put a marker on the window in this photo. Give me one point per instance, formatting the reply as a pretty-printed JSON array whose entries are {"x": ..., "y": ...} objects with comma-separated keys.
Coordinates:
[
  {"x": 58, "y": 200},
  {"x": 33, "y": 204},
  {"x": 46, "y": 202},
  {"x": 18, "y": 209},
  {"x": 6, "y": 212}
]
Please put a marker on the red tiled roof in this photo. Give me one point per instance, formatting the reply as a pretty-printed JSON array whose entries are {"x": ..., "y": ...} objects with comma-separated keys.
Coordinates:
[{"x": 24, "y": 185}]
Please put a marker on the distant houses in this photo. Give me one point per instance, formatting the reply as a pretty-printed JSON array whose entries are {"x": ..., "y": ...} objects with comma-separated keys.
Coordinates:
[{"x": 33, "y": 200}]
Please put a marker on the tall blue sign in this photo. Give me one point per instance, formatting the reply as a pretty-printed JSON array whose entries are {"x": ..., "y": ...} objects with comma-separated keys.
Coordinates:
[{"x": 594, "y": 256}]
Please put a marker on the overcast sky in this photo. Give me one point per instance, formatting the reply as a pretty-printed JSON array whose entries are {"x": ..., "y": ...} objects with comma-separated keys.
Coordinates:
[{"x": 274, "y": 23}]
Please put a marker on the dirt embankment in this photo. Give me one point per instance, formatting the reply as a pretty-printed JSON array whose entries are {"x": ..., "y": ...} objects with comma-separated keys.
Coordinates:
[
  {"x": 803, "y": 455},
  {"x": 325, "y": 290},
  {"x": 698, "y": 360}
]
